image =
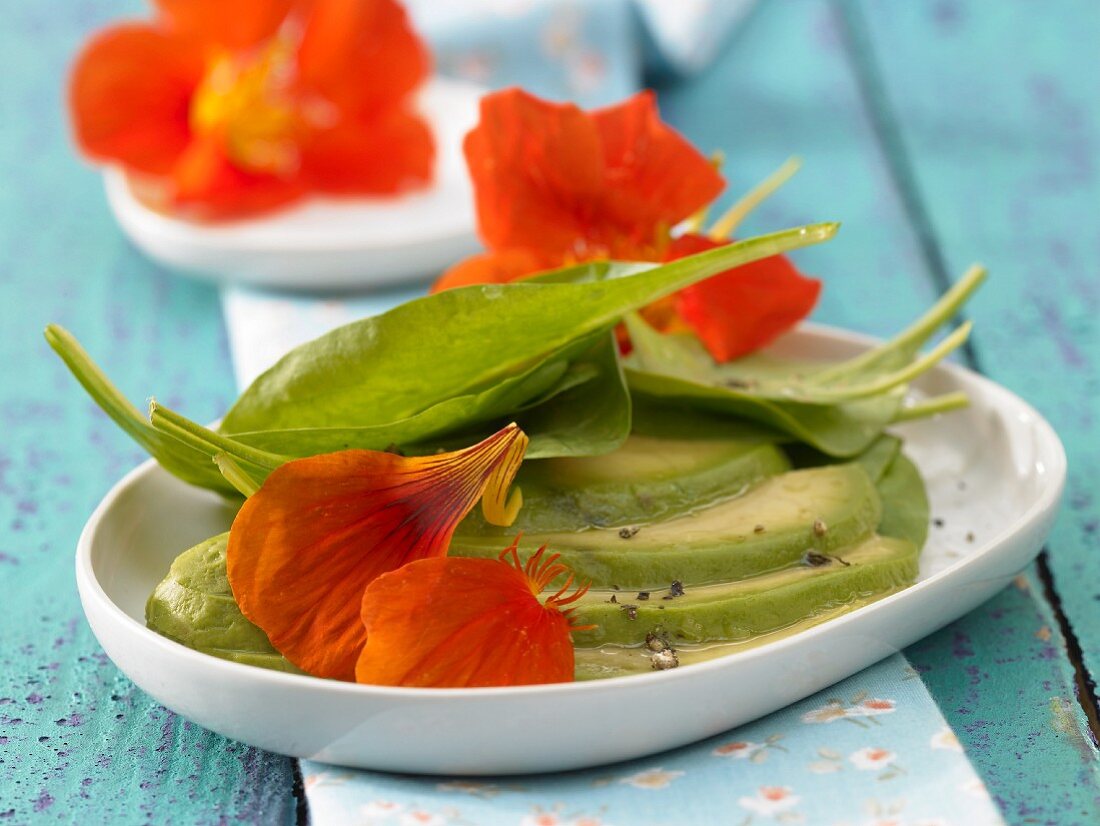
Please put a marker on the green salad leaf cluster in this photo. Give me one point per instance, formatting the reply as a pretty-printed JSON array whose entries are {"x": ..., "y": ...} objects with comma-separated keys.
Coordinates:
[
  {"x": 444, "y": 369},
  {"x": 664, "y": 440}
]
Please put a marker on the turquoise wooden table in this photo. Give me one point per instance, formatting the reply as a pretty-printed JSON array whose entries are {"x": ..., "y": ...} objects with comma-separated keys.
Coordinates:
[{"x": 938, "y": 132}]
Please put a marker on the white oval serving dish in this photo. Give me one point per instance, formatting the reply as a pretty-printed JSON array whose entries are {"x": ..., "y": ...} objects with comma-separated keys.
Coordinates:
[
  {"x": 329, "y": 244},
  {"x": 995, "y": 470}
]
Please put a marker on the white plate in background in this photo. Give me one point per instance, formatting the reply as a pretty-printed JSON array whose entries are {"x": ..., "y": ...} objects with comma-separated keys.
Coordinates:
[
  {"x": 329, "y": 244},
  {"x": 1009, "y": 458}
]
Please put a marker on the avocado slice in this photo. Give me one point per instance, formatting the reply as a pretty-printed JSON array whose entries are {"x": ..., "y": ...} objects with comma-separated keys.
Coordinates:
[
  {"x": 645, "y": 480},
  {"x": 612, "y": 660},
  {"x": 749, "y": 607},
  {"x": 817, "y": 509},
  {"x": 739, "y": 587},
  {"x": 194, "y": 606}
]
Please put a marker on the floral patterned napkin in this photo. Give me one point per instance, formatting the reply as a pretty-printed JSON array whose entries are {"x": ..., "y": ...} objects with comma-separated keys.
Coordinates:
[{"x": 874, "y": 749}]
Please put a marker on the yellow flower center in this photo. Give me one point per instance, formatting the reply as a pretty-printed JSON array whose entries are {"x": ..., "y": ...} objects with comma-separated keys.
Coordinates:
[{"x": 249, "y": 102}]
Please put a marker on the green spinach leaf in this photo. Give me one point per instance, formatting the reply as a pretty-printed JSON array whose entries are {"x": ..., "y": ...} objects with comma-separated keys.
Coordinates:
[
  {"x": 905, "y": 507},
  {"x": 881, "y": 369},
  {"x": 393, "y": 366},
  {"x": 544, "y": 380},
  {"x": 588, "y": 419},
  {"x": 187, "y": 463},
  {"x": 841, "y": 430}
]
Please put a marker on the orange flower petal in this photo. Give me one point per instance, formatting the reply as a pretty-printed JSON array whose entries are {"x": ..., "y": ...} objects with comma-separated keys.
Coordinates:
[
  {"x": 452, "y": 622},
  {"x": 207, "y": 184},
  {"x": 382, "y": 155},
  {"x": 238, "y": 26},
  {"x": 361, "y": 55},
  {"x": 556, "y": 180},
  {"x": 130, "y": 97},
  {"x": 654, "y": 177},
  {"x": 743, "y": 309},
  {"x": 494, "y": 268},
  {"x": 538, "y": 175},
  {"x": 304, "y": 548}
]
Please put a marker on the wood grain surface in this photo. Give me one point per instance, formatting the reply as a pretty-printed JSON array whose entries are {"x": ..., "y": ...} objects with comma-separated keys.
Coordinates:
[
  {"x": 939, "y": 132},
  {"x": 78, "y": 742},
  {"x": 918, "y": 132}
]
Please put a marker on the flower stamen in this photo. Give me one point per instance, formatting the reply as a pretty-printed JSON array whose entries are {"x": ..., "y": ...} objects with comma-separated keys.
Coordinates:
[
  {"x": 541, "y": 572},
  {"x": 248, "y": 102}
]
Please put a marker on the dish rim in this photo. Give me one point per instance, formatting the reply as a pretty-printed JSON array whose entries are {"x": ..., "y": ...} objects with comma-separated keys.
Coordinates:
[{"x": 90, "y": 588}]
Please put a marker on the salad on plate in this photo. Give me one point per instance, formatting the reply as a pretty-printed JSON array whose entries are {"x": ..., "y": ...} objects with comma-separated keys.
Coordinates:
[{"x": 575, "y": 459}]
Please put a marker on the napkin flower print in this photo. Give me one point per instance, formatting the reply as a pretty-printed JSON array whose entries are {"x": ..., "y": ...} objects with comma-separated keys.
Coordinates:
[
  {"x": 219, "y": 115},
  {"x": 770, "y": 801},
  {"x": 739, "y": 749},
  {"x": 545, "y": 818},
  {"x": 303, "y": 549},
  {"x": 861, "y": 710},
  {"x": 377, "y": 809},
  {"x": 556, "y": 185},
  {"x": 657, "y": 778},
  {"x": 946, "y": 739},
  {"x": 873, "y": 707},
  {"x": 419, "y": 817},
  {"x": 833, "y": 710},
  {"x": 872, "y": 758}
]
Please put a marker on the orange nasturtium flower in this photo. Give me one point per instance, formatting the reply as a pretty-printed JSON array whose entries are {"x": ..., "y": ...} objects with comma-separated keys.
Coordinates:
[
  {"x": 453, "y": 622},
  {"x": 222, "y": 110},
  {"x": 556, "y": 185},
  {"x": 309, "y": 550}
]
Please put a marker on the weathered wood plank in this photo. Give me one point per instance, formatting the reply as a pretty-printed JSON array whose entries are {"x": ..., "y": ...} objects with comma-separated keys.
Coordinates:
[
  {"x": 784, "y": 88},
  {"x": 788, "y": 84},
  {"x": 1001, "y": 678},
  {"x": 994, "y": 107},
  {"x": 78, "y": 742}
]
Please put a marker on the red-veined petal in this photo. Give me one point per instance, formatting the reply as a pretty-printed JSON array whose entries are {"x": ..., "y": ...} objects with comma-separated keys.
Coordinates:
[
  {"x": 453, "y": 622},
  {"x": 654, "y": 177},
  {"x": 387, "y": 153},
  {"x": 238, "y": 25},
  {"x": 130, "y": 96},
  {"x": 538, "y": 174},
  {"x": 361, "y": 55},
  {"x": 304, "y": 548},
  {"x": 743, "y": 309}
]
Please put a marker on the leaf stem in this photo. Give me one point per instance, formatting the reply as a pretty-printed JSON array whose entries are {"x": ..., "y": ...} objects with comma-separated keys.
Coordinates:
[
  {"x": 179, "y": 459},
  {"x": 890, "y": 380},
  {"x": 203, "y": 439},
  {"x": 909, "y": 340},
  {"x": 930, "y": 407},
  {"x": 99, "y": 387},
  {"x": 724, "y": 227},
  {"x": 236, "y": 475}
]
